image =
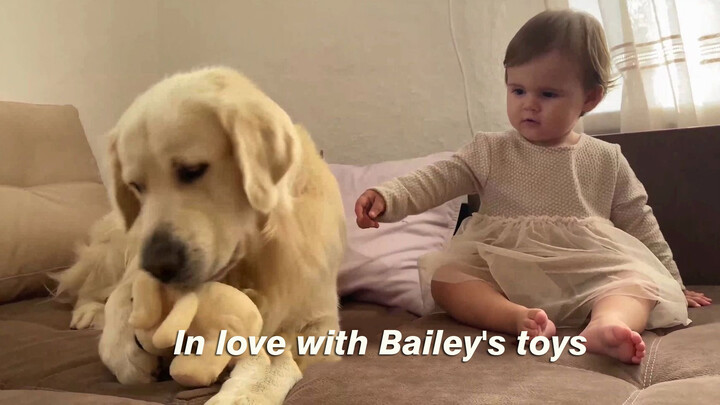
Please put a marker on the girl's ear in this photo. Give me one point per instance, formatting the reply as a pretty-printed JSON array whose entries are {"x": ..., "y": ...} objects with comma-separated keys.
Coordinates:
[{"x": 593, "y": 97}]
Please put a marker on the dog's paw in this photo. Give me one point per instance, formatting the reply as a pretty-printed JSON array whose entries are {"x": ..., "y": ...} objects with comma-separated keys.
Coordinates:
[
  {"x": 129, "y": 363},
  {"x": 222, "y": 398},
  {"x": 89, "y": 315},
  {"x": 133, "y": 366}
]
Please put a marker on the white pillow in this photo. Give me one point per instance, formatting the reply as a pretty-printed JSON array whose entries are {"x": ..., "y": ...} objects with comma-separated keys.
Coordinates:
[{"x": 380, "y": 264}]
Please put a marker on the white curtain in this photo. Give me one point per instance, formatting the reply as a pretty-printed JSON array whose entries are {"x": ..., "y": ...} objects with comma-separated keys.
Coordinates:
[{"x": 668, "y": 53}]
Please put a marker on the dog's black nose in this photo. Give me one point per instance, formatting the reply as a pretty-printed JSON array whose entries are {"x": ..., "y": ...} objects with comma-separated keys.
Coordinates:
[{"x": 163, "y": 256}]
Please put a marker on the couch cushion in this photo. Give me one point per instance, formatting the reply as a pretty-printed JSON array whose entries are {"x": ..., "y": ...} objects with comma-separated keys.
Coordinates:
[
  {"x": 678, "y": 392},
  {"x": 33, "y": 397},
  {"x": 43, "y": 144},
  {"x": 682, "y": 365},
  {"x": 50, "y": 194},
  {"x": 41, "y": 353},
  {"x": 370, "y": 320}
]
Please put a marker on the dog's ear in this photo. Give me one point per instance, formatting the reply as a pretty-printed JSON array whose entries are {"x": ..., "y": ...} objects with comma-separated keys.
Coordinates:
[
  {"x": 266, "y": 147},
  {"x": 123, "y": 198}
]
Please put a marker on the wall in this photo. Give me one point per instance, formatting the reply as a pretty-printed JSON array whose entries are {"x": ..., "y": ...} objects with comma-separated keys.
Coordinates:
[
  {"x": 372, "y": 80},
  {"x": 95, "y": 55}
]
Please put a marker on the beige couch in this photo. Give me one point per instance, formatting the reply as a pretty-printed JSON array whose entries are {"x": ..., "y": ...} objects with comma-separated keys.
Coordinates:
[{"x": 50, "y": 193}]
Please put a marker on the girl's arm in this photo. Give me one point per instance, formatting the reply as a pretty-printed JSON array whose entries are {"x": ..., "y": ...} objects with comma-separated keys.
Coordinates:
[{"x": 464, "y": 173}]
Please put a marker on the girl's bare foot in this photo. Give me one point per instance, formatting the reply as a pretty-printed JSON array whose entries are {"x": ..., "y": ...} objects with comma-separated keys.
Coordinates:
[
  {"x": 615, "y": 339},
  {"x": 536, "y": 323}
]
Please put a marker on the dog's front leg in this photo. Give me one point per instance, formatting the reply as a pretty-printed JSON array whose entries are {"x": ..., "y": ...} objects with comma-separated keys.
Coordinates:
[
  {"x": 260, "y": 379},
  {"x": 317, "y": 328},
  {"x": 118, "y": 348}
]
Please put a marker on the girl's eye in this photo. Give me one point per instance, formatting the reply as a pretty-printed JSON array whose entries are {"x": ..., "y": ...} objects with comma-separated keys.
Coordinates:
[
  {"x": 549, "y": 94},
  {"x": 138, "y": 187},
  {"x": 519, "y": 92},
  {"x": 188, "y": 174}
]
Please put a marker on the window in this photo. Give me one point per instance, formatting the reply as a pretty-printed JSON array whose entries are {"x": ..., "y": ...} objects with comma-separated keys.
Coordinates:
[
  {"x": 670, "y": 54},
  {"x": 605, "y": 118}
]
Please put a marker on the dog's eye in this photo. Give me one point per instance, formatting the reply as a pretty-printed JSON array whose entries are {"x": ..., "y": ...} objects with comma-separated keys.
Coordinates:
[
  {"x": 138, "y": 187},
  {"x": 188, "y": 174}
]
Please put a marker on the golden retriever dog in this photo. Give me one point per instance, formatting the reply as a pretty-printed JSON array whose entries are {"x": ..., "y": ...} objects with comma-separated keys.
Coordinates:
[{"x": 211, "y": 180}]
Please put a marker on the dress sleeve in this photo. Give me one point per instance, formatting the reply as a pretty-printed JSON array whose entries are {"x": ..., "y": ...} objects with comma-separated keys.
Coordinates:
[
  {"x": 425, "y": 188},
  {"x": 631, "y": 213}
]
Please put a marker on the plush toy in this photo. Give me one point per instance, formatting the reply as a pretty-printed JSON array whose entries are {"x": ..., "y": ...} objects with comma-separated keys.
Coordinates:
[{"x": 160, "y": 311}]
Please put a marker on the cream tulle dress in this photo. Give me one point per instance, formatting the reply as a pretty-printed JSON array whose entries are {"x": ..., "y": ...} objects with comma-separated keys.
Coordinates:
[{"x": 558, "y": 227}]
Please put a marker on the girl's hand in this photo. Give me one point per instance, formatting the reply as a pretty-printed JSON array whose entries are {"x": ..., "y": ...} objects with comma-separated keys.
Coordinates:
[
  {"x": 696, "y": 299},
  {"x": 368, "y": 207}
]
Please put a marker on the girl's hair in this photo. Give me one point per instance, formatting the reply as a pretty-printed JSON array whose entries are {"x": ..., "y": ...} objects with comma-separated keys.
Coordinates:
[{"x": 576, "y": 34}]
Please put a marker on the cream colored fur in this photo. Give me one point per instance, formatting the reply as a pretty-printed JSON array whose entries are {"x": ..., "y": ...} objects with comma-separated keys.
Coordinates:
[{"x": 267, "y": 215}]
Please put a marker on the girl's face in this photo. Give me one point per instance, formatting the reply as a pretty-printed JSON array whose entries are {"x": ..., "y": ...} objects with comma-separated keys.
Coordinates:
[{"x": 545, "y": 98}]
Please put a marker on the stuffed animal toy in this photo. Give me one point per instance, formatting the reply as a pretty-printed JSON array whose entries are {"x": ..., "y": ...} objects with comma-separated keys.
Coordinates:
[{"x": 160, "y": 311}]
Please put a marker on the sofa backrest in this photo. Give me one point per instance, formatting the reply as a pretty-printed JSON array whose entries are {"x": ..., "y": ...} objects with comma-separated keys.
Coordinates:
[
  {"x": 680, "y": 169},
  {"x": 50, "y": 194}
]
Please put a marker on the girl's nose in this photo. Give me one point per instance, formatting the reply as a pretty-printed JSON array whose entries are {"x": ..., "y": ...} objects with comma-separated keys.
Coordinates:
[{"x": 531, "y": 104}]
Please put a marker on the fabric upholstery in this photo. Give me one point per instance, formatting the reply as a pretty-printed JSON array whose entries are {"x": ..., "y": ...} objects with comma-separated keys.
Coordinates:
[
  {"x": 380, "y": 264},
  {"x": 50, "y": 194},
  {"x": 681, "y": 366}
]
